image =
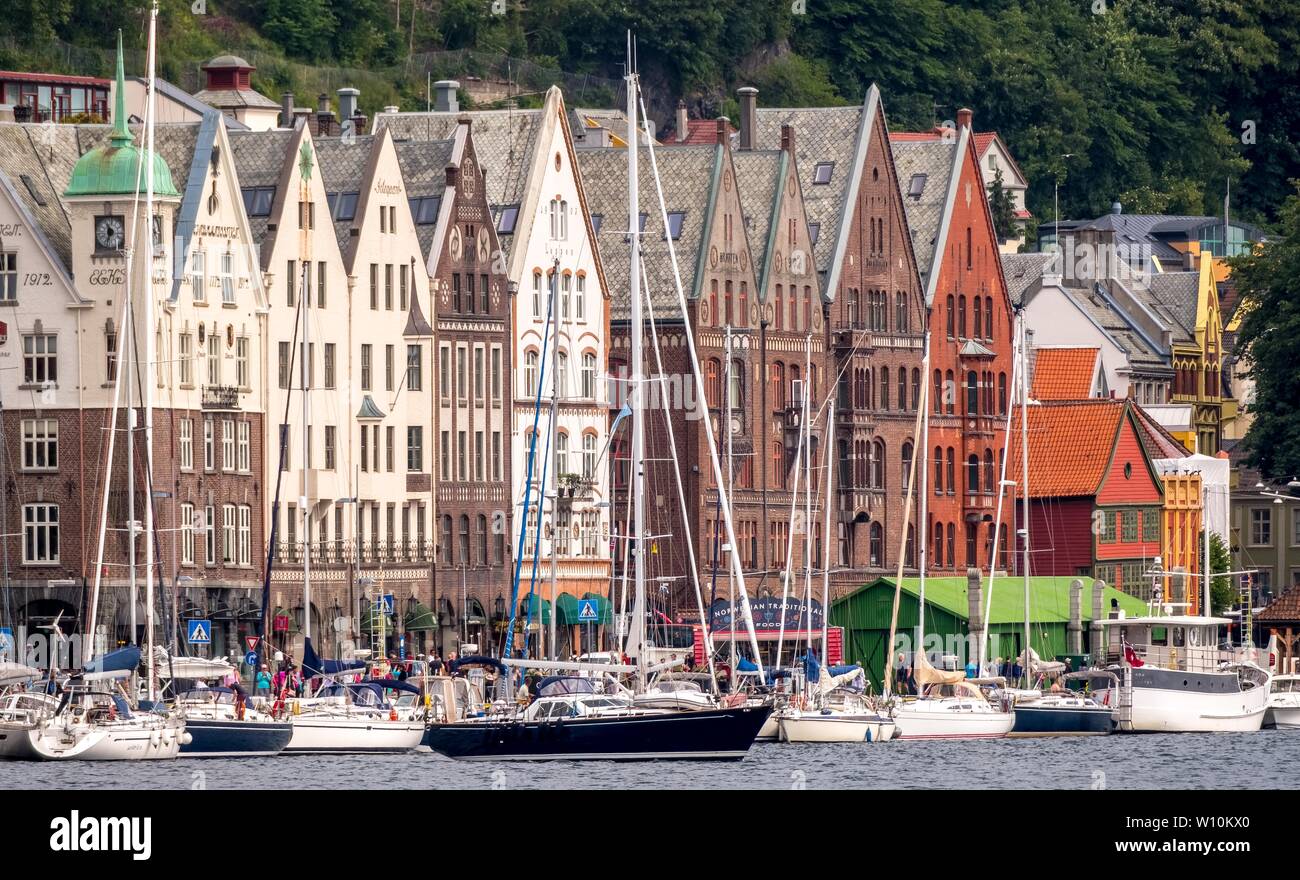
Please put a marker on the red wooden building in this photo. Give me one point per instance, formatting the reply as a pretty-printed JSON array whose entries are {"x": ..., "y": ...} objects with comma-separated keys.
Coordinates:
[
  {"x": 971, "y": 337},
  {"x": 1095, "y": 497}
]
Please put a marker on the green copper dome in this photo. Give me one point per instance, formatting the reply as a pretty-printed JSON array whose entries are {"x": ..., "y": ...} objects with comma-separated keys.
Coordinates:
[{"x": 114, "y": 169}]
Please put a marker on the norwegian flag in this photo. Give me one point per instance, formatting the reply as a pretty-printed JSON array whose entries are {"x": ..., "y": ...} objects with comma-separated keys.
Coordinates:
[{"x": 1131, "y": 657}]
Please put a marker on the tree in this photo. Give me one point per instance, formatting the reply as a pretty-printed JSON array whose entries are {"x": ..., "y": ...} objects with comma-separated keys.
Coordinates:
[
  {"x": 1268, "y": 283},
  {"x": 1222, "y": 595},
  {"x": 1003, "y": 209}
]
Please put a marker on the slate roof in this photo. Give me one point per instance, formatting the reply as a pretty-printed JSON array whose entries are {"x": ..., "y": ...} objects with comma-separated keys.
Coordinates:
[
  {"x": 932, "y": 157},
  {"x": 45, "y": 156},
  {"x": 184, "y": 98},
  {"x": 758, "y": 176},
  {"x": 424, "y": 174},
  {"x": 343, "y": 170},
  {"x": 822, "y": 134},
  {"x": 259, "y": 157},
  {"x": 1070, "y": 446},
  {"x": 1064, "y": 373},
  {"x": 223, "y": 98},
  {"x": 687, "y": 176},
  {"x": 1024, "y": 271},
  {"x": 1140, "y": 352},
  {"x": 1174, "y": 295}
]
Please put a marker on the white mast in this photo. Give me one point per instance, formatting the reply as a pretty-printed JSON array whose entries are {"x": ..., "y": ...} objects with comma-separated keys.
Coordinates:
[
  {"x": 304, "y": 299},
  {"x": 826, "y": 532},
  {"x": 150, "y": 356},
  {"x": 555, "y": 446},
  {"x": 923, "y": 532},
  {"x": 1024, "y": 479},
  {"x": 809, "y": 490},
  {"x": 637, "y": 487},
  {"x": 731, "y": 580}
]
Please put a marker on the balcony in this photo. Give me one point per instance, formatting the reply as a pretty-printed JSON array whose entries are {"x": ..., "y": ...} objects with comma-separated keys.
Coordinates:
[
  {"x": 221, "y": 398},
  {"x": 339, "y": 553}
]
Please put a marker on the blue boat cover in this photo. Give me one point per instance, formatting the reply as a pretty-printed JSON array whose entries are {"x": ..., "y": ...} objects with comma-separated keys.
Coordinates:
[
  {"x": 478, "y": 660},
  {"x": 556, "y": 685},
  {"x": 313, "y": 665},
  {"x": 122, "y": 659},
  {"x": 391, "y": 684}
]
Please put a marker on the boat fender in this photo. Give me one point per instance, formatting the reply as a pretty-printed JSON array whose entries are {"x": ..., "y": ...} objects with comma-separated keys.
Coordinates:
[{"x": 187, "y": 738}]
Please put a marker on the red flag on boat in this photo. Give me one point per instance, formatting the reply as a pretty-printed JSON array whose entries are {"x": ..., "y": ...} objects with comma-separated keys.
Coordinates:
[{"x": 1131, "y": 657}]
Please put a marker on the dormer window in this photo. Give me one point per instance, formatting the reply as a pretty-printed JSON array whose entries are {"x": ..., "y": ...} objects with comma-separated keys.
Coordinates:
[
  {"x": 822, "y": 172},
  {"x": 258, "y": 200},
  {"x": 674, "y": 223},
  {"x": 343, "y": 206},
  {"x": 916, "y": 186},
  {"x": 506, "y": 222},
  {"x": 424, "y": 210}
]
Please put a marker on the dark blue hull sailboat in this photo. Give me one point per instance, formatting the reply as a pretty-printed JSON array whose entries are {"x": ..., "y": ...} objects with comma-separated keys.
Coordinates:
[
  {"x": 711, "y": 735},
  {"x": 226, "y": 738}
]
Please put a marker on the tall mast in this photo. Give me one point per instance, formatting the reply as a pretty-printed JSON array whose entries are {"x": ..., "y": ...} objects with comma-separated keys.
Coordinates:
[
  {"x": 638, "y": 376},
  {"x": 826, "y": 530},
  {"x": 304, "y": 299},
  {"x": 555, "y": 445},
  {"x": 1024, "y": 480},
  {"x": 810, "y": 490},
  {"x": 150, "y": 355},
  {"x": 731, "y": 579},
  {"x": 923, "y": 531}
]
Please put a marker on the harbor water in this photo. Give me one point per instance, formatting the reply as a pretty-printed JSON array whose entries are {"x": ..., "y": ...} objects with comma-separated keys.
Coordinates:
[{"x": 1160, "y": 761}]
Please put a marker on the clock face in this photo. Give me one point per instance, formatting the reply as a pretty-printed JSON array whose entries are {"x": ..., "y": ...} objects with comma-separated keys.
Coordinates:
[
  {"x": 482, "y": 245},
  {"x": 110, "y": 233}
]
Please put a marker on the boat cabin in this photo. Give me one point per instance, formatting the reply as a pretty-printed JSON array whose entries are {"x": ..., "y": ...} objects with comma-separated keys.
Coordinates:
[
  {"x": 573, "y": 697},
  {"x": 1185, "y": 643}
]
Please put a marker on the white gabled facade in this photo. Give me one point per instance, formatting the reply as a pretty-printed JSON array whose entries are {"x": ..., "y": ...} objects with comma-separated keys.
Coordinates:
[{"x": 554, "y": 249}]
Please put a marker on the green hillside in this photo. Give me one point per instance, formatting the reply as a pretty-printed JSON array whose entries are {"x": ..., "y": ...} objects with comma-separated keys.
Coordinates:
[{"x": 1158, "y": 103}]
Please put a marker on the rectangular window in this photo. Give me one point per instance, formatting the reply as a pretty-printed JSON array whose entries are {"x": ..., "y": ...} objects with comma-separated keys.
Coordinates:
[
  {"x": 40, "y": 444},
  {"x": 389, "y": 433},
  {"x": 284, "y": 365},
  {"x": 199, "y": 276},
  {"x": 388, "y": 368},
  {"x": 365, "y": 367},
  {"x": 320, "y": 284},
  {"x": 478, "y": 456},
  {"x": 1151, "y": 524},
  {"x": 242, "y": 377},
  {"x": 290, "y": 285},
  {"x": 187, "y": 534},
  {"x": 496, "y": 375},
  {"x": 185, "y": 355},
  {"x": 496, "y": 456},
  {"x": 388, "y": 286},
  {"x": 365, "y": 448},
  {"x": 227, "y": 445},
  {"x": 245, "y": 448},
  {"x": 110, "y": 355},
  {"x": 9, "y": 277},
  {"x": 40, "y": 533},
  {"x": 209, "y": 446},
  {"x": 1130, "y": 532},
  {"x": 374, "y": 286},
  {"x": 478, "y": 375},
  {"x": 228, "y": 534},
  {"x": 461, "y": 389},
  {"x": 403, "y": 296},
  {"x": 330, "y": 454},
  {"x": 414, "y": 449},
  {"x": 228, "y": 278},
  {"x": 187, "y": 444},
  {"x": 329, "y": 365},
  {"x": 444, "y": 456},
  {"x": 414, "y": 368},
  {"x": 580, "y": 299},
  {"x": 214, "y": 361},
  {"x": 444, "y": 373},
  {"x": 1261, "y": 526},
  {"x": 462, "y": 454},
  {"x": 245, "y": 535},
  {"x": 1109, "y": 522},
  {"x": 40, "y": 359}
]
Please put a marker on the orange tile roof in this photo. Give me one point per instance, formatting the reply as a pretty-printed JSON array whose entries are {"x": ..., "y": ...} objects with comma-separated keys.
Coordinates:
[
  {"x": 1064, "y": 373},
  {"x": 1070, "y": 445},
  {"x": 698, "y": 131}
]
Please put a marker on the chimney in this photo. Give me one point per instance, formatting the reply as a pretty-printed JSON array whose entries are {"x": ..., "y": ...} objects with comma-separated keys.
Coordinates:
[
  {"x": 324, "y": 115},
  {"x": 1116, "y": 208},
  {"x": 391, "y": 108},
  {"x": 359, "y": 121},
  {"x": 963, "y": 118},
  {"x": 348, "y": 102},
  {"x": 683, "y": 121},
  {"x": 787, "y": 139},
  {"x": 724, "y": 130},
  {"x": 748, "y": 122},
  {"x": 453, "y": 175},
  {"x": 286, "y": 110},
  {"x": 444, "y": 96}
]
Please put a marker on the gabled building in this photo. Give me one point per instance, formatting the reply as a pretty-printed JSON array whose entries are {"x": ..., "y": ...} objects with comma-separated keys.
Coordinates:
[
  {"x": 875, "y": 319},
  {"x": 1067, "y": 373},
  {"x": 1095, "y": 498},
  {"x": 67, "y": 196},
  {"x": 547, "y": 243},
  {"x": 971, "y": 341}
]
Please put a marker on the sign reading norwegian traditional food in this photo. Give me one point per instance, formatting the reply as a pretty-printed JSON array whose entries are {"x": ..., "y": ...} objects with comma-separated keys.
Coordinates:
[{"x": 767, "y": 613}]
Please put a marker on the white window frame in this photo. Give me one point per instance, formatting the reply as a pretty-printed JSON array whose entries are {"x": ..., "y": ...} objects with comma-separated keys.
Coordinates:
[
  {"x": 228, "y": 445},
  {"x": 38, "y": 523},
  {"x": 186, "y": 444},
  {"x": 245, "y": 442},
  {"x": 245, "y": 537},
  {"x": 209, "y": 445},
  {"x": 187, "y": 534},
  {"x": 40, "y": 441}
]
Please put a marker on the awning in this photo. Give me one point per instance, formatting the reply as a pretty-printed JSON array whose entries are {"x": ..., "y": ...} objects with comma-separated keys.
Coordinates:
[
  {"x": 540, "y": 608},
  {"x": 604, "y": 608},
  {"x": 420, "y": 618},
  {"x": 374, "y": 619},
  {"x": 566, "y": 606}
]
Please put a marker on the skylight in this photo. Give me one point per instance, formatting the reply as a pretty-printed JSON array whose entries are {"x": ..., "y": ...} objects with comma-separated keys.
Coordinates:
[
  {"x": 916, "y": 186},
  {"x": 506, "y": 222},
  {"x": 822, "y": 173}
]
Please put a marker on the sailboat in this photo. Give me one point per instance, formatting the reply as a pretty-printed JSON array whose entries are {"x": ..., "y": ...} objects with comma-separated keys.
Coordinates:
[
  {"x": 947, "y": 706},
  {"x": 94, "y": 720},
  {"x": 573, "y": 718}
]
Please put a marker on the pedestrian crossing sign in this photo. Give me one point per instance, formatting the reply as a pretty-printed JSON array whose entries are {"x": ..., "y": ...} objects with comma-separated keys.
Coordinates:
[
  {"x": 200, "y": 632},
  {"x": 587, "y": 611}
]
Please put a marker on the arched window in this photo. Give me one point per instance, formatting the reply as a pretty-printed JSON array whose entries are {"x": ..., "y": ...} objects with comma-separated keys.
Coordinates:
[
  {"x": 737, "y": 385},
  {"x": 742, "y": 319},
  {"x": 951, "y": 472},
  {"x": 949, "y": 393},
  {"x": 713, "y": 301},
  {"x": 901, "y": 322},
  {"x": 979, "y": 319},
  {"x": 884, "y": 388},
  {"x": 776, "y": 385},
  {"x": 728, "y": 307},
  {"x": 961, "y": 316},
  {"x": 1002, "y": 394},
  {"x": 530, "y": 373},
  {"x": 712, "y": 382},
  {"x": 988, "y": 318},
  {"x": 906, "y": 474},
  {"x": 989, "y": 474},
  {"x": 588, "y": 375},
  {"x": 938, "y": 470},
  {"x": 972, "y": 394},
  {"x": 938, "y": 545},
  {"x": 952, "y": 546},
  {"x": 916, "y": 389},
  {"x": 481, "y": 539},
  {"x": 952, "y": 317},
  {"x": 444, "y": 540},
  {"x": 902, "y": 388},
  {"x": 562, "y": 453},
  {"x": 562, "y": 375},
  {"x": 909, "y": 555},
  {"x": 972, "y": 474},
  {"x": 878, "y": 464},
  {"x": 846, "y": 463},
  {"x": 778, "y": 464},
  {"x": 877, "y": 545},
  {"x": 462, "y": 554},
  {"x": 776, "y": 307},
  {"x": 588, "y": 456},
  {"x": 938, "y": 391}
]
